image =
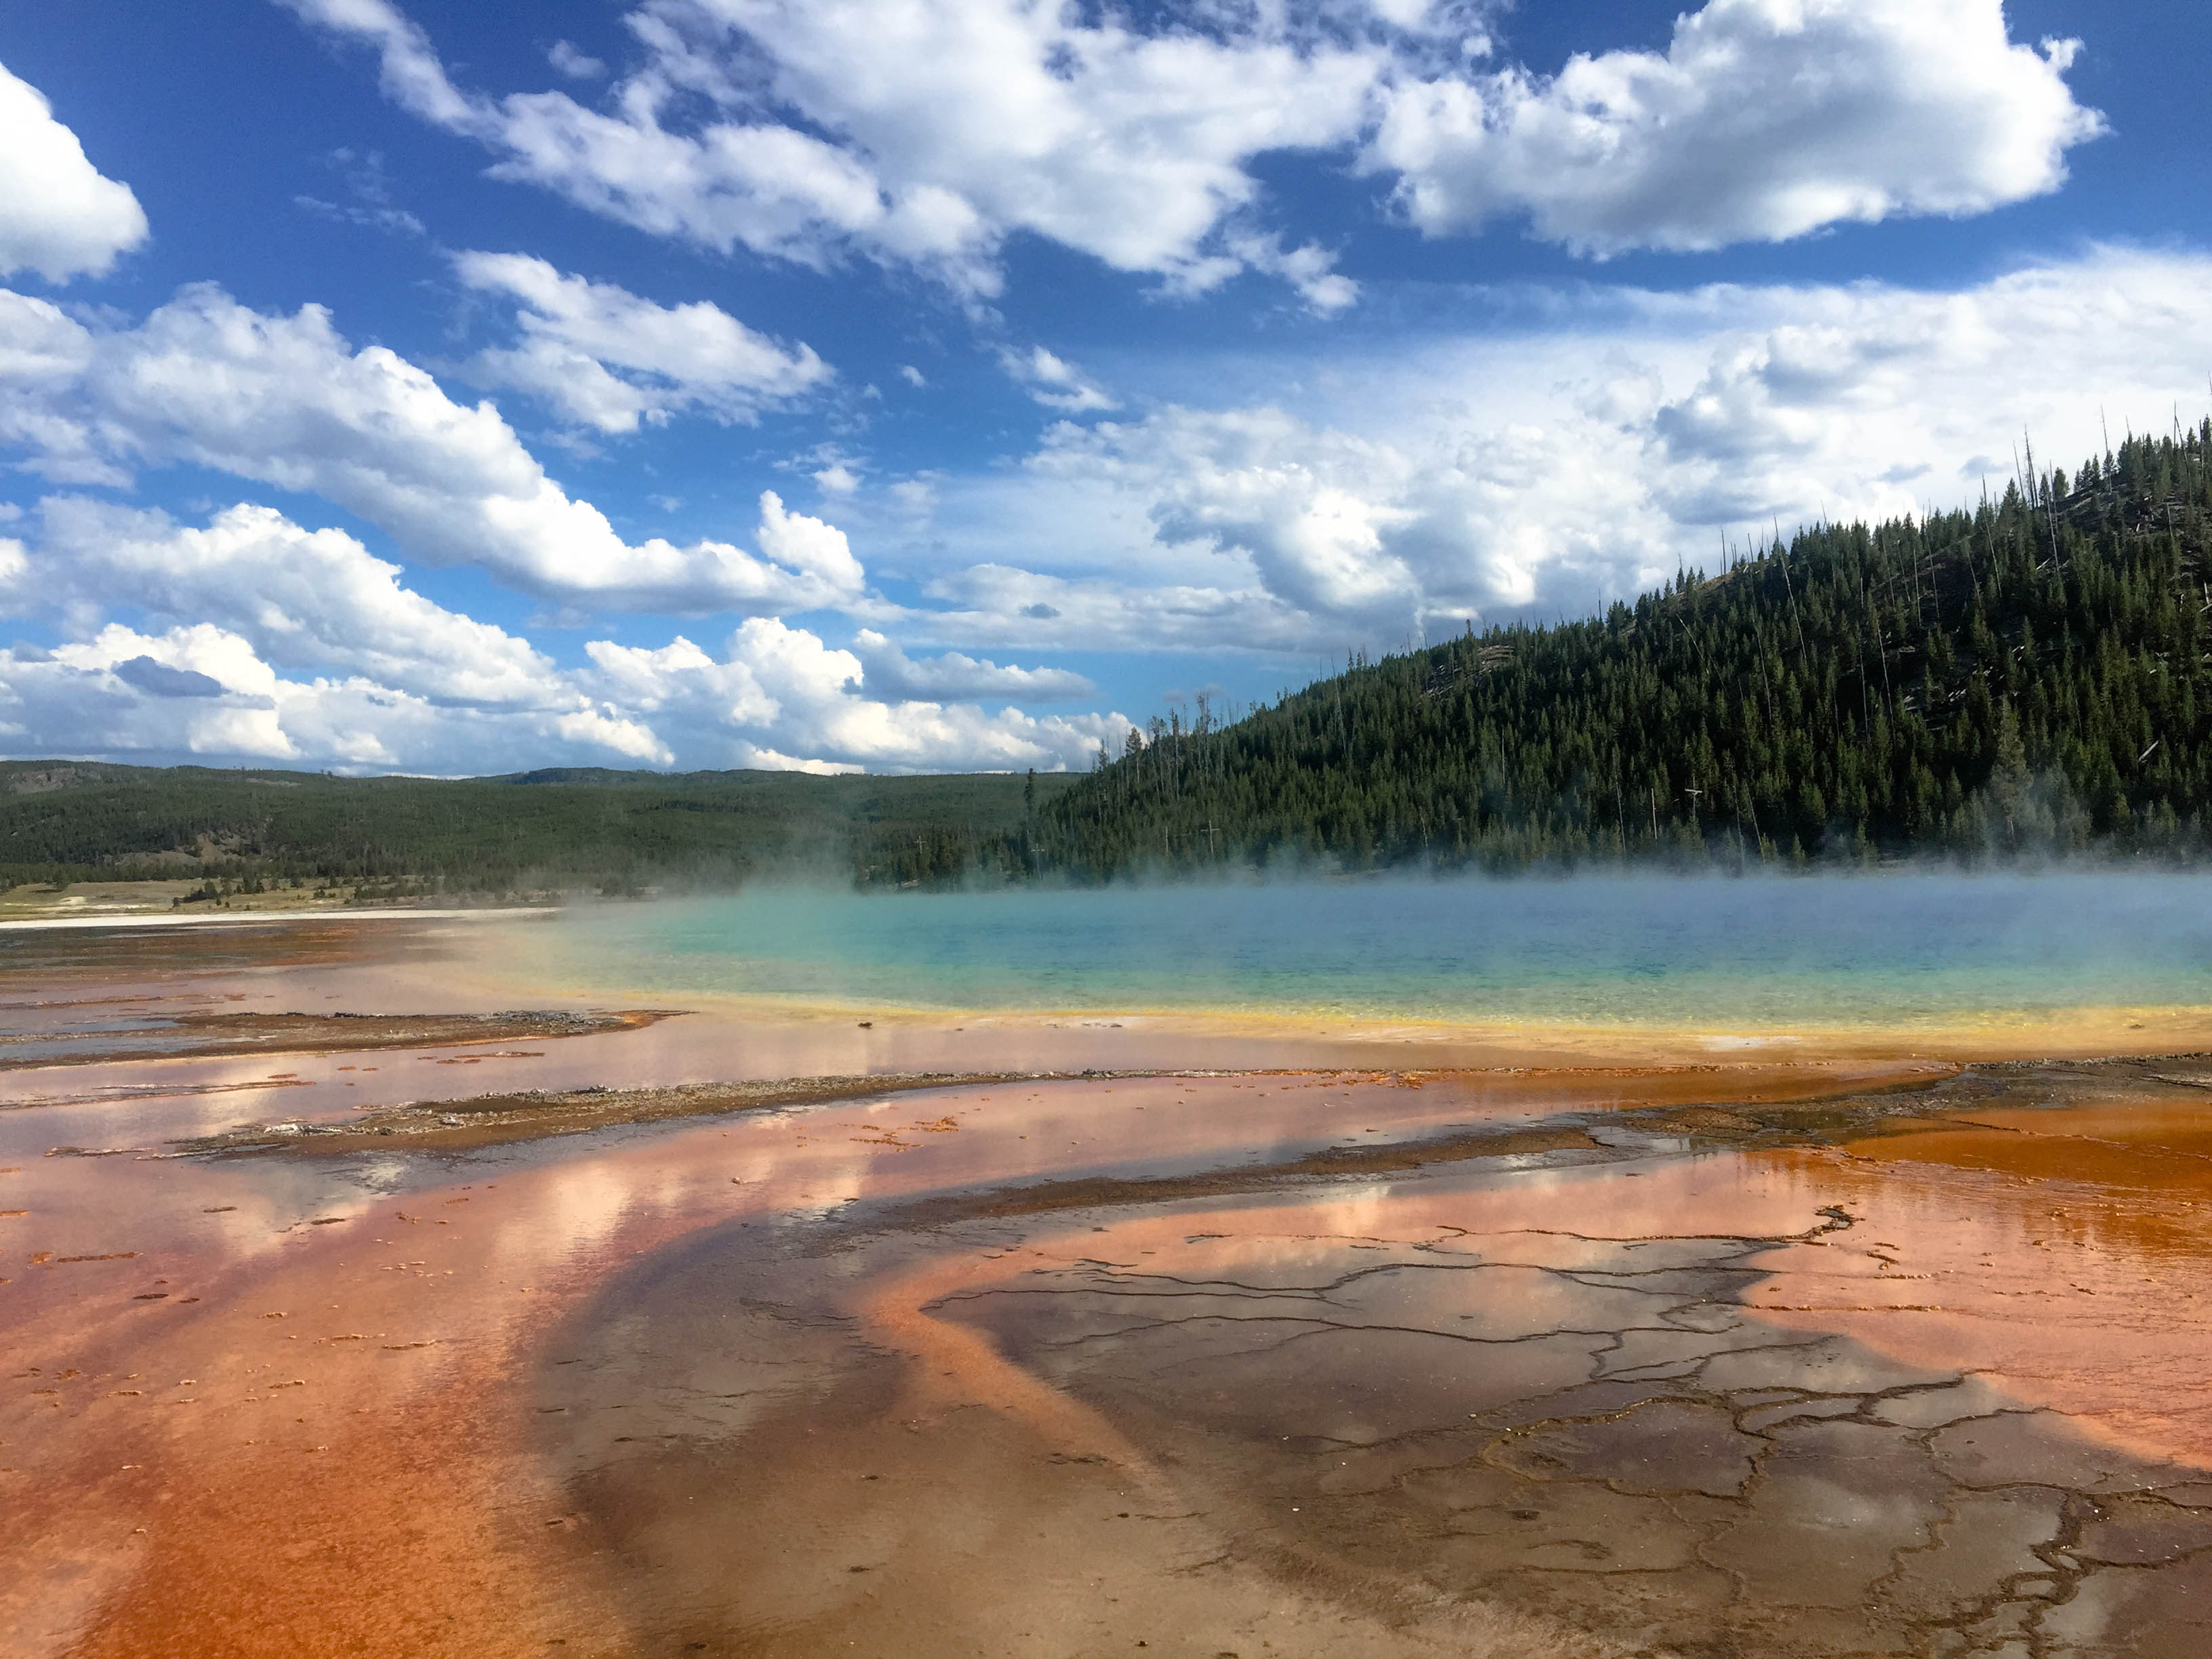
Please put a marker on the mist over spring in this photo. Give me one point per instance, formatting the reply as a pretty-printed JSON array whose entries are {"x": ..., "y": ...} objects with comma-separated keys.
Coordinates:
[{"x": 1704, "y": 952}]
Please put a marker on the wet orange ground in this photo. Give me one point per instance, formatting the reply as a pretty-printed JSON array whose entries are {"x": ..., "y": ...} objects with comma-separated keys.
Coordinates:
[{"x": 760, "y": 1384}]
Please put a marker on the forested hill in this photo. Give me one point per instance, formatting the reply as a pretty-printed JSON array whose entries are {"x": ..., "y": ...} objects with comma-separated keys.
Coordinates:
[
  {"x": 2030, "y": 675},
  {"x": 558, "y": 829}
]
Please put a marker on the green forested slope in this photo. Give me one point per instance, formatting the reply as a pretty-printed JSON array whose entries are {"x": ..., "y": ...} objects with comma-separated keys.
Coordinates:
[
  {"x": 79, "y": 821},
  {"x": 2029, "y": 675}
]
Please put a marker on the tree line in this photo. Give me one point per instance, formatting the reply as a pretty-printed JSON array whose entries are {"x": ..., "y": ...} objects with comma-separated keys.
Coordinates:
[
  {"x": 2028, "y": 675},
  {"x": 558, "y": 830}
]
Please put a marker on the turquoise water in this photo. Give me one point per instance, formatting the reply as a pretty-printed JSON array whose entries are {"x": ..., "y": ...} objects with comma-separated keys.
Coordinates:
[{"x": 1708, "y": 954}]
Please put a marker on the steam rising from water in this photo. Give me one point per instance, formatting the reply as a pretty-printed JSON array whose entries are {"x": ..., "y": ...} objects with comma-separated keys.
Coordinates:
[{"x": 1701, "y": 953}]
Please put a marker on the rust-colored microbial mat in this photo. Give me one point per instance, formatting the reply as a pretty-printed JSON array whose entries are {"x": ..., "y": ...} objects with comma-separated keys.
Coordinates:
[{"x": 1822, "y": 1352}]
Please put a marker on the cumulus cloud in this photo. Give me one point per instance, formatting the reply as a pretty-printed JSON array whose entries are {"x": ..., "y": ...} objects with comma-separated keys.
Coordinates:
[
  {"x": 44, "y": 357},
  {"x": 601, "y": 356},
  {"x": 251, "y": 637},
  {"x": 286, "y": 401},
  {"x": 189, "y": 691},
  {"x": 60, "y": 216},
  {"x": 1763, "y": 121},
  {"x": 779, "y": 697},
  {"x": 1549, "y": 472},
  {"x": 124, "y": 695},
  {"x": 304, "y": 600},
  {"x": 1310, "y": 509},
  {"x": 891, "y": 674},
  {"x": 927, "y": 132},
  {"x": 788, "y": 692},
  {"x": 918, "y": 131},
  {"x": 1054, "y": 382}
]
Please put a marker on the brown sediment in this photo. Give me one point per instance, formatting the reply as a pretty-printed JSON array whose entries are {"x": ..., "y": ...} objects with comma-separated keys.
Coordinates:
[
  {"x": 1604, "y": 1401},
  {"x": 236, "y": 1479},
  {"x": 503, "y": 1118},
  {"x": 200, "y": 1035},
  {"x": 1337, "y": 1163},
  {"x": 478, "y": 1121},
  {"x": 1182, "y": 1357},
  {"x": 42, "y": 961},
  {"x": 847, "y": 1522},
  {"x": 1918, "y": 1114},
  {"x": 2069, "y": 1248},
  {"x": 1492, "y": 1391}
]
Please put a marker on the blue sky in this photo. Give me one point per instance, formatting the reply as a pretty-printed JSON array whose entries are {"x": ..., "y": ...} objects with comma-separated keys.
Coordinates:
[{"x": 928, "y": 384}]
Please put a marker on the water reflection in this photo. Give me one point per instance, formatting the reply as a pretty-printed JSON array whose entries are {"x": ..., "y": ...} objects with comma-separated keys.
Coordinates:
[{"x": 1059, "y": 1365}]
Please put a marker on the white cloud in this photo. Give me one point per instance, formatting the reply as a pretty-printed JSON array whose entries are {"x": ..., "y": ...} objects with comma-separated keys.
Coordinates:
[
  {"x": 58, "y": 702},
  {"x": 254, "y": 638},
  {"x": 1054, "y": 382},
  {"x": 395, "y": 221},
  {"x": 60, "y": 216},
  {"x": 601, "y": 356},
  {"x": 1311, "y": 509},
  {"x": 781, "y": 691},
  {"x": 777, "y": 699},
  {"x": 926, "y": 130},
  {"x": 369, "y": 183},
  {"x": 285, "y": 401},
  {"x": 891, "y": 674},
  {"x": 572, "y": 62},
  {"x": 1764, "y": 119},
  {"x": 44, "y": 354},
  {"x": 305, "y": 600},
  {"x": 1309, "y": 268},
  {"x": 1549, "y": 470},
  {"x": 988, "y": 604}
]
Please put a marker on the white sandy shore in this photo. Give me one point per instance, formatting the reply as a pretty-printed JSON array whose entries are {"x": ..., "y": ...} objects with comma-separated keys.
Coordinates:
[{"x": 250, "y": 918}]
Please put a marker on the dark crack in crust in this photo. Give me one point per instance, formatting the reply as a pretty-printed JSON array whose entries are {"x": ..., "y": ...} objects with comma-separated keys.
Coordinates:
[{"x": 1643, "y": 1457}]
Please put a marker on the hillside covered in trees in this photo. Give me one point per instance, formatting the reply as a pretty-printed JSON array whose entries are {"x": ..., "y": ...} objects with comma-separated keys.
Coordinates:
[
  {"x": 2028, "y": 676},
  {"x": 72, "y": 821}
]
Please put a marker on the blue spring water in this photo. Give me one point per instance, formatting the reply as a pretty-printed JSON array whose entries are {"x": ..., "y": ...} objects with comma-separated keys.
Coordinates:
[{"x": 1703, "y": 953}]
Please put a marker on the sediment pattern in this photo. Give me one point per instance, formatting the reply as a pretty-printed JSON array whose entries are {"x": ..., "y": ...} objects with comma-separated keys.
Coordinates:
[{"x": 1600, "y": 1431}]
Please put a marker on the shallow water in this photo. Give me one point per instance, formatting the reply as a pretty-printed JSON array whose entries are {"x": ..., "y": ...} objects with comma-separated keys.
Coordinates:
[
  {"x": 1793, "y": 1351},
  {"x": 1758, "y": 953}
]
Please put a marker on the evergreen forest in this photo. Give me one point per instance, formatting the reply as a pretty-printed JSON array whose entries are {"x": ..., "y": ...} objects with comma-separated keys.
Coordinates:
[
  {"x": 2025, "y": 679},
  {"x": 562, "y": 830}
]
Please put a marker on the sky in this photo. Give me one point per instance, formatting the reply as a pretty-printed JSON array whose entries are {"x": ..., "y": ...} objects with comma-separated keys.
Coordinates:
[{"x": 918, "y": 386}]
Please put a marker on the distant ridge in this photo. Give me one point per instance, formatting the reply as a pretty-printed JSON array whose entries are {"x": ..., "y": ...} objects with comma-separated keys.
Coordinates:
[
  {"x": 557, "y": 828},
  {"x": 2027, "y": 678}
]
